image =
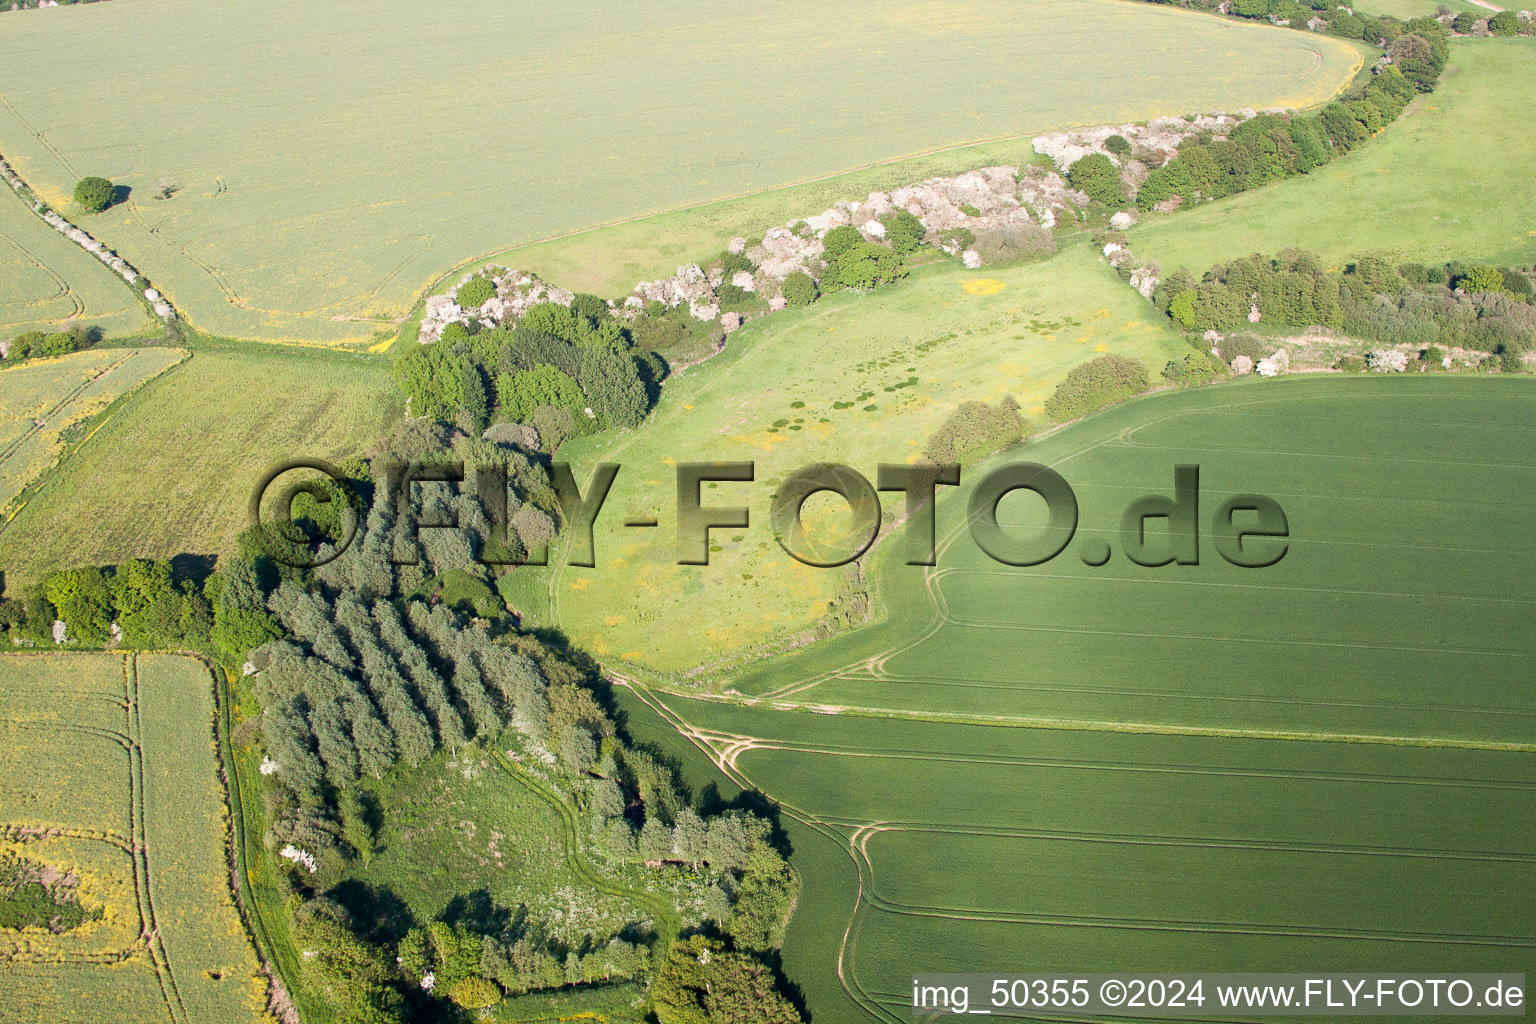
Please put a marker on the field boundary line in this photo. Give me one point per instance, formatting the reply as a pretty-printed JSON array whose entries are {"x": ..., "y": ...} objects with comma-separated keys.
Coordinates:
[
  {"x": 155, "y": 946},
  {"x": 1197, "y": 842},
  {"x": 1147, "y": 728},
  {"x": 941, "y": 683}
]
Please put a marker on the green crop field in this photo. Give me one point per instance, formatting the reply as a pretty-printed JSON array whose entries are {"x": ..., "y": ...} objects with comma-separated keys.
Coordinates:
[
  {"x": 43, "y": 403},
  {"x": 1404, "y": 569},
  {"x": 932, "y": 847},
  {"x": 47, "y": 283},
  {"x": 1446, "y": 181},
  {"x": 188, "y": 449},
  {"x": 311, "y": 213},
  {"x": 109, "y": 776},
  {"x": 1186, "y": 767},
  {"x": 905, "y": 358}
]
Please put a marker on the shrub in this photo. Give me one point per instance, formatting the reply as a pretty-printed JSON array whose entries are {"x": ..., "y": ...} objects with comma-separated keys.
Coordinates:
[
  {"x": 1196, "y": 368},
  {"x": 957, "y": 238},
  {"x": 734, "y": 262},
  {"x": 95, "y": 194},
  {"x": 1505, "y": 23},
  {"x": 1118, "y": 145},
  {"x": 1350, "y": 363},
  {"x": 976, "y": 429},
  {"x": 1095, "y": 384},
  {"x": 799, "y": 289},
  {"x": 839, "y": 240},
  {"x": 552, "y": 319},
  {"x": 903, "y": 230},
  {"x": 736, "y": 300},
  {"x": 475, "y": 993},
  {"x": 590, "y": 307},
  {"x": 556, "y": 425},
  {"x": 1517, "y": 283},
  {"x": 969, "y": 210},
  {"x": 1097, "y": 176},
  {"x": 1250, "y": 345},
  {"x": 1014, "y": 242},
  {"x": 475, "y": 292},
  {"x": 1481, "y": 279},
  {"x": 1464, "y": 22},
  {"x": 863, "y": 265},
  {"x": 522, "y": 393}
]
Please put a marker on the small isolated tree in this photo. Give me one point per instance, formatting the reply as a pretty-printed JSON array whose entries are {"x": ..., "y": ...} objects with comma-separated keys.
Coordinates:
[
  {"x": 1098, "y": 177},
  {"x": 903, "y": 230},
  {"x": 95, "y": 194},
  {"x": 799, "y": 289},
  {"x": 474, "y": 293},
  {"x": 1118, "y": 145}
]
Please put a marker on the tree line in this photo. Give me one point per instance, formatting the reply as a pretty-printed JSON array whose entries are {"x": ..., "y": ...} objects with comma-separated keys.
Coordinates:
[
  {"x": 1270, "y": 147},
  {"x": 40, "y": 345},
  {"x": 1472, "y": 306}
]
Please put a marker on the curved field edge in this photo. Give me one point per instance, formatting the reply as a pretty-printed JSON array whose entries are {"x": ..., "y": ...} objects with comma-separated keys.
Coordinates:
[
  {"x": 852, "y": 946},
  {"x": 319, "y": 262},
  {"x": 49, "y": 284}
]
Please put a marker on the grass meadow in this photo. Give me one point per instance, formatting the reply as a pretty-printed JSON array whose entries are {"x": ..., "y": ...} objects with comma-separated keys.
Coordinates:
[
  {"x": 312, "y": 208},
  {"x": 1449, "y": 180},
  {"x": 109, "y": 773},
  {"x": 187, "y": 449},
  {"x": 904, "y": 359},
  {"x": 45, "y": 404},
  {"x": 47, "y": 283}
]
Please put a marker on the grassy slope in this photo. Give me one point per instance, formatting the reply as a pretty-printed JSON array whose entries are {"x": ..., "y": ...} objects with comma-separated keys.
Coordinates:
[
  {"x": 503, "y": 124},
  {"x": 172, "y": 470},
  {"x": 48, "y": 283},
  {"x": 931, "y": 330},
  {"x": 464, "y": 826},
  {"x": 1446, "y": 181}
]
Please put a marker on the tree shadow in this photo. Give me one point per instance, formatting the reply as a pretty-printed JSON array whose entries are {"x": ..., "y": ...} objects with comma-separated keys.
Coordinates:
[
  {"x": 477, "y": 912},
  {"x": 120, "y": 194},
  {"x": 192, "y": 568},
  {"x": 378, "y": 914}
]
